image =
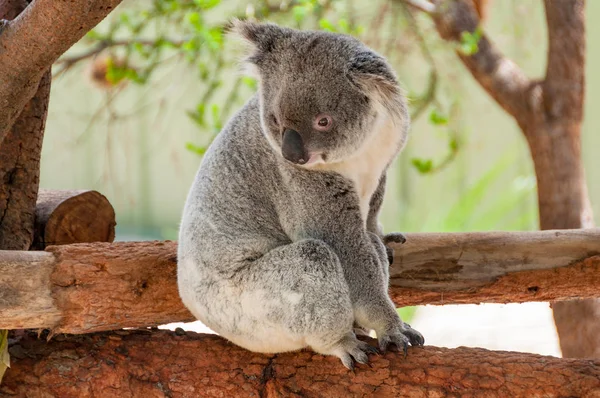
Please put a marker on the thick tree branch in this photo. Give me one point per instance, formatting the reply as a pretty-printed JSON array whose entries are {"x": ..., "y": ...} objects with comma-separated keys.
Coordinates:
[
  {"x": 164, "y": 364},
  {"x": 102, "y": 286},
  {"x": 30, "y": 43},
  {"x": 564, "y": 86},
  {"x": 498, "y": 75},
  {"x": 20, "y": 156}
]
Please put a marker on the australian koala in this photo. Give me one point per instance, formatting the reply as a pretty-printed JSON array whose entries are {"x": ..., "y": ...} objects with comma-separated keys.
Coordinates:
[{"x": 279, "y": 245}]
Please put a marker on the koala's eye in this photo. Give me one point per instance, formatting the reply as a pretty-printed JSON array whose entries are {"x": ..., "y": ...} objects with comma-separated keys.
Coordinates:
[{"x": 323, "y": 122}]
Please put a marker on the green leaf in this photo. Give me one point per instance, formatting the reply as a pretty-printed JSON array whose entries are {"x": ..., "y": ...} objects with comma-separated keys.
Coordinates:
[
  {"x": 216, "y": 117},
  {"x": 453, "y": 144},
  {"x": 207, "y": 4},
  {"x": 422, "y": 165},
  {"x": 195, "y": 19},
  {"x": 4, "y": 356},
  {"x": 326, "y": 25},
  {"x": 250, "y": 82},
  {"x": 299, "y": 12},
  {"x": 198, "y": 115},
  {"x": 93, "y": 35},
  {"x": 343, "y": 26},
  {"x": 438, "y": 118},
  {"x": 124, "y": 18},
  {"x": 198, "y": 150},
  {"x": 214, "y": 38},
  {"x": 469, "y": 42}
]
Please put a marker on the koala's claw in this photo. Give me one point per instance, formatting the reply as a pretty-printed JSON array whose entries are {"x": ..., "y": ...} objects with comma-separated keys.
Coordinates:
[
  {"x": 414, "y": 337},
  {"x": 401, "y": 339},
  {"x": 394, "y": 237},
  {"x": 398, "y": 339},
  {"x": 358, "y": 353}
]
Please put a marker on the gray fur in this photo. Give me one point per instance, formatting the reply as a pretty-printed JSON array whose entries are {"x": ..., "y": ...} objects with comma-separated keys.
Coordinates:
[{"x": 275, "y": 256}]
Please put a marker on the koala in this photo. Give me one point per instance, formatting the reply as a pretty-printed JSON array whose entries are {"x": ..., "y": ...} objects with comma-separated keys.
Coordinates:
[{"x": 279, "y": 244}]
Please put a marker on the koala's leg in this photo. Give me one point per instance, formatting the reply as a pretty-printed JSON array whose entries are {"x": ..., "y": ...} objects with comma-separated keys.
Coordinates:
[
  {"x": 303, "y": 297},
  {"x": 376, "y": 310},
  {"x": 382, "y": 255}
]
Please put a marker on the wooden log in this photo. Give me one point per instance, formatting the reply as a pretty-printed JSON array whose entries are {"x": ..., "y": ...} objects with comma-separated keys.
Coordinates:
[
  {"x": 68, "y": 216},
  {"x": 166, "y": 364},
  {"x": 25, "y": 299},
  {"x": 104, "y": 286},
  {"x": 496, "y": 267}
]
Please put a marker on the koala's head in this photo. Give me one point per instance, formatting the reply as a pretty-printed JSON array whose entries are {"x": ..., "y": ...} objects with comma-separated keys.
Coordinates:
[{"x": 322, "y": 95}]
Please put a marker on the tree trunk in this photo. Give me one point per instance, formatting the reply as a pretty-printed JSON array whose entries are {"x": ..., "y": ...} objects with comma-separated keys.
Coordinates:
[
  {"x": 550, "y": 113},
  {"x": 564, "y": 204},
  {"x": 166, "y": 364},
  {"x": 27, "y": 52},
  {"x": 20, "y": 160},
  {"x": 554, "y": 135}
]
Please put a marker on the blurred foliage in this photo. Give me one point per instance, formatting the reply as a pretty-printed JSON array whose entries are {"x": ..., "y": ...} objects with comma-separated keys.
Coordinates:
[
  {"x": 489, "y": 203},
  {"x": 147, "y": 36}
]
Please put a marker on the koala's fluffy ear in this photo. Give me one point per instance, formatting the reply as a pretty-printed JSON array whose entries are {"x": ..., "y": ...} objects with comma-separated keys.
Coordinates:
[
  {"x": 372, "y": 75},
  {"x": 262, "y": 38}
]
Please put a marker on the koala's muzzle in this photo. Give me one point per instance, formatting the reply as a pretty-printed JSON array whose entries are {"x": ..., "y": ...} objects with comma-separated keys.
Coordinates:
[{"x": 293, "y": 147}]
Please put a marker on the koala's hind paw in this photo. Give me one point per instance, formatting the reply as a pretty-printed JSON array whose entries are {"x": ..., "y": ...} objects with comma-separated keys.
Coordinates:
[
  {"x": 351, "y": 350},
  {"x": 401, "y": 339}
]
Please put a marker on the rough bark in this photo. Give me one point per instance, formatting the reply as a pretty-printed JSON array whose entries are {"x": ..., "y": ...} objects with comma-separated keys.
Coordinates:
[
  {"x": 165, "y": 364},
  {"x": 24, "y": 293},
  {"x": 20, "y": 155},
  {"x": 31, "y": 43},
  {"x": 498, "y": 75},
  {"x": 64, "y": 217},
  {"x": 103, "y": 286},
  {"x": 550, "y": 114},
  {"x": 556, "y": 152}
]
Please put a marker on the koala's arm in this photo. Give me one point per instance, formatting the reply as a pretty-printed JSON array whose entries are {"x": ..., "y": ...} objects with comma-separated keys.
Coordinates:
[{"x": 373, "y": 224}]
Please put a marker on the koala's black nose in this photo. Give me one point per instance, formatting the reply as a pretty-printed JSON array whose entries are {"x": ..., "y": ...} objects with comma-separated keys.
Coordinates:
[{"x": 293, "y": 148}]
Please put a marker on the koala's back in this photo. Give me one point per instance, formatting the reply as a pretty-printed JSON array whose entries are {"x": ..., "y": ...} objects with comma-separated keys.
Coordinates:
[{"x": 230, "y": 209}]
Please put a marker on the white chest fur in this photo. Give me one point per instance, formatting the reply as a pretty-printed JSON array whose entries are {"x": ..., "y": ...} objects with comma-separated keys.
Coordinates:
[{"x": 365, "y": 168}]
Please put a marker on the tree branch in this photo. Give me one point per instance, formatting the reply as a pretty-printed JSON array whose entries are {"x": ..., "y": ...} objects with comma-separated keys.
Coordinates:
[
  {"x": 160, "y": 363},
  {"x": 499, "y": 76},
  {"x": 101, "y": 286},
  {"x": 564, "y": 85},
  {"x": 68, "y": 62},
  {"x": 30, "y": 43}
]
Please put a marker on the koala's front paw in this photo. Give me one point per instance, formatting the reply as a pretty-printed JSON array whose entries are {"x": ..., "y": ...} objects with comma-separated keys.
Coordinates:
[
  {"x": 394, "y": 237},
  {"x": 401, "y": 339}
]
